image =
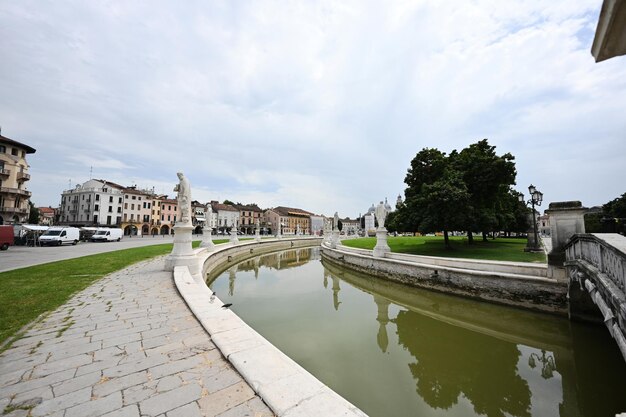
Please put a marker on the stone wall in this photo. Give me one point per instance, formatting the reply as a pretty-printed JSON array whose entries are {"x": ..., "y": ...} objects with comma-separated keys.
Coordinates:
[{"x": 508, "y": 288}]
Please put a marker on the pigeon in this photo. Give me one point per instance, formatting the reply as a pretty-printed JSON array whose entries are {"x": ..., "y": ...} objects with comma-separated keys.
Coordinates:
[{"x": 227, "y": 305}]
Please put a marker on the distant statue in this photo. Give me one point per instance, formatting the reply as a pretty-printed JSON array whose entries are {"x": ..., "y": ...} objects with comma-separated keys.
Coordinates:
[
  {"x": 336, "y": 221},
  {"x": 381, "y": 214},
  {"x": 184, "y": 198}
]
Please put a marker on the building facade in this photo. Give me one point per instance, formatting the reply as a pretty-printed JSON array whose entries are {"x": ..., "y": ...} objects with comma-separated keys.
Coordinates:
[
  {"x": 46, "y": 216},
  {"x": 317, "y": 225},
  {"x": 248, "y": 216},
  {"x": 289, "y": 220},
  {"x": 136, "y": 212},
  {"x": 93, "y": 203},
  {"x": 14, "y": 197},
  {"x": 169, "y": 214},
  {"x": 227, "y": 216}
]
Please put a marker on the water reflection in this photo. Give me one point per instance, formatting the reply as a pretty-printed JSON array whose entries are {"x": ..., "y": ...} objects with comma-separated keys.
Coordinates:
[{"x": 441, "y": 355}]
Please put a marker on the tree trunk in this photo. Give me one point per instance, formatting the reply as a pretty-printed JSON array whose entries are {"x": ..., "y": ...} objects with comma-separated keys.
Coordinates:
[
  {"x": 470, "y": 238},
  {"x": 484, "y": 237},
  {"x": 445, "y": 239}
]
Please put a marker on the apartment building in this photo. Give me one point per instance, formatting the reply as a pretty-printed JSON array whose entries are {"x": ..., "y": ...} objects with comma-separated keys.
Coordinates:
[
  {"x": 14, "y": 196},
  {"x": 169, "y": 214},
  {"x": 93, "y": 203},
  {"x": 248, "y": 216},
  {"x": 136, "y": 212},
  {"x": 227, "y": 216},
  {"x": 290, "y": 220}
]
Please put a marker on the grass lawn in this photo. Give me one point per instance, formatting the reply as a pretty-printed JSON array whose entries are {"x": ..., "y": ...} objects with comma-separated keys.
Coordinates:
[
  {"x": 29, "y": 292},
  {"x": 500, "y": 249}
]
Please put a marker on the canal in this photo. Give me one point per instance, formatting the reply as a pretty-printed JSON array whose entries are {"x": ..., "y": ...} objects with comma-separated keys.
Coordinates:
[{"x": 394, "y": 350}]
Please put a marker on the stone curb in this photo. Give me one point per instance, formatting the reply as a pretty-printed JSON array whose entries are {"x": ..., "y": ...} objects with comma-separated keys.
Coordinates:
[{"x": 287, "y": 388}]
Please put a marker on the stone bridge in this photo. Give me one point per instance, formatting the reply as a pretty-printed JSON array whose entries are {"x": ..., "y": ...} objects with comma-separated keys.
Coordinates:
[{"x": 596, "y": 267}]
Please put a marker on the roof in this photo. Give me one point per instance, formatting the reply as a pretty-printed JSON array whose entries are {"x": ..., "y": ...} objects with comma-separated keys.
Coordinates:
[
  {"x": 112, "y": 184},
  {"x": 290, "y": 211},
  {"x": 248, "y": 207},
  {"x": 223, "y": 207},
  {"x": 44, "y": 210},
  {"x": 28, "y": 149}
]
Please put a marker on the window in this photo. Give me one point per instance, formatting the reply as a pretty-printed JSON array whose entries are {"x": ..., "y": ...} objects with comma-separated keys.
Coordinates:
[
  {"x": 120, "y": 200},
  {"x": 134, "y": 197},
  {"x": 110, "y": 199},
  {"x": 162, "y": 217},
  {"x": 132, "y": 207},
  {"x": 139, "y": 198},
  {"x": 125, "y": 206},
  {"x": 125, "y": 216},
  {"x": 119, "y": 209},
  {"x": 3, "y": 149},
  {"x": 83, "y": 197},
  {"x": 97, "y": 197},
  {"x": 23, "y": 154},
  {"x": 169, "y": 218},
  {"x": 110, "y": 209},
  {"x": 95, "y": 218},
  {"x": 14, "y": 151},
  {"x": 96, "y": 207},
  {"x": 174, "y": 219},
  {"x": 108, "y": 220},
  {"x": 132, "y": 216}
]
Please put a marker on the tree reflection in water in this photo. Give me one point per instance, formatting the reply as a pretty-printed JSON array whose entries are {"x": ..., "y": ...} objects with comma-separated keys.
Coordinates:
[{"x": 453, "y": 361}]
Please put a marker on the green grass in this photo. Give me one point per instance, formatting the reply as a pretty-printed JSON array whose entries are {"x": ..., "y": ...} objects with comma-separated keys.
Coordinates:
[
  {"x": 500, "y": 249},
  {"x": 27, "y": 293}
]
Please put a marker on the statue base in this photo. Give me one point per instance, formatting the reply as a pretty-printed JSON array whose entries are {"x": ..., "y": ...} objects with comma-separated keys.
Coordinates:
[
  {"x": 381, "y": 247},
  {"x": 207, "y": 241},
  {"x": 182, "y": 254},
  {"x": 257, "y": 237},
  {"x": 233, "y": 237},
  {"x": 334, "y": 239}
]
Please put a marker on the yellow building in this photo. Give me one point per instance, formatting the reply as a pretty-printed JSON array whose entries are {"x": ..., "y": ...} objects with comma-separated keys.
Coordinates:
[{"x": 14, "y": 197}]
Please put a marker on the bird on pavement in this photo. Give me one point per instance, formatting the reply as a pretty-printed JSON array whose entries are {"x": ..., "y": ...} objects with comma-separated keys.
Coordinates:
[{"x": 227, "y": 305}]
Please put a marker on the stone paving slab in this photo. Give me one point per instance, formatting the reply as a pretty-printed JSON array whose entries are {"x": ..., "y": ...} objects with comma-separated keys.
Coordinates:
[{"x": 132, "y": 349}]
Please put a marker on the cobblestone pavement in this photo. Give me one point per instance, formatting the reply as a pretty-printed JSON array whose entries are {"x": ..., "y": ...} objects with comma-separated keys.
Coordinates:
[{"x": 127, "y": 346}]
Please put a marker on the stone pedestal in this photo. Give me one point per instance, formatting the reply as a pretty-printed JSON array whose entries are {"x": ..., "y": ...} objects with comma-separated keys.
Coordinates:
[
  {"x": 334, "y": 239},
  {"x": 257, "y": 236},
  {"x": 381, "y": 247},
  {"x": 182, "y": 253},
  {"x": 233, "y": 236},
  {"x": 207, "y": 240},
  {"x": 566, "y": 219}
]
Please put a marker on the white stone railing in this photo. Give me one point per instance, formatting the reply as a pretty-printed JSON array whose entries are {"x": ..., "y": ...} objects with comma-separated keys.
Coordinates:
[{"x": 605, "y": 251}]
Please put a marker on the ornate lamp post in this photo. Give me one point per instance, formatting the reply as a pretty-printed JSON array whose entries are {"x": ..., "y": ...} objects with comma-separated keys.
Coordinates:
[{"x": 536, "y": 197}]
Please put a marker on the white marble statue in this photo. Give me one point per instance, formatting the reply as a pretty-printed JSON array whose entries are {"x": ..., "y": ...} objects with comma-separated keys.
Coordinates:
[
  {"x": 381, "y": 215},
  {"x": 336, "y": 221},
  {"x": 184, "y": 198}
]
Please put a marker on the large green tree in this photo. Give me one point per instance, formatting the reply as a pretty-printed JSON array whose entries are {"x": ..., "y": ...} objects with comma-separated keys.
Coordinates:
[
  {"x": 488, "y": 178},
  {"x": 468, "y": 190},
  {"x": 33, "y": 214}
]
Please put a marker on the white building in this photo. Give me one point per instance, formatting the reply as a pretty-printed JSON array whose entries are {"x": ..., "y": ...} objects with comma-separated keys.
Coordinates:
[
  {"x": 94, "y": 203},
  {"x": 227, "y": 216}
]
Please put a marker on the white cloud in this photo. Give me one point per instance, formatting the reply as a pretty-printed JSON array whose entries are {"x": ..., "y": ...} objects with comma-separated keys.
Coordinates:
[{"x": 319, "y": 105}]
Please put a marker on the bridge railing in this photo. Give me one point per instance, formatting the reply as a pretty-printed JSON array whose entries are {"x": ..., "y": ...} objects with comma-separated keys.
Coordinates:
[{"x": 606, "y": 252}]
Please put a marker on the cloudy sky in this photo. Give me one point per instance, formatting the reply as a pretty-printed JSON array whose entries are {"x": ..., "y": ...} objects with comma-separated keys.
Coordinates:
[{"x": 314, "y": 104}]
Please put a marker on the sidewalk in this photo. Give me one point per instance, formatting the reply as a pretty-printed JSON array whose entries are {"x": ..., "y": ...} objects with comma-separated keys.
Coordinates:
[{"x": 127, "y": 346}]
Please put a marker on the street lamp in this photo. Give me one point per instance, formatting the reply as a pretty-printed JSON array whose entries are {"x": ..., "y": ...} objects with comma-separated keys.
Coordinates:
[{"x": 536, "y": 197}]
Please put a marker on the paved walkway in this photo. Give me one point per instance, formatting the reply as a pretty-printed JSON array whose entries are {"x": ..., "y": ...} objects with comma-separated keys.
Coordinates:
[{"x": 127, "y": 346}]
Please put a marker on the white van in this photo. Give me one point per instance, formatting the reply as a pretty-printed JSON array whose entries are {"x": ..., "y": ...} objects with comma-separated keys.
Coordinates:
[
  {"x": 59, "y": 235},
  {"x": 107, "y": 235}
]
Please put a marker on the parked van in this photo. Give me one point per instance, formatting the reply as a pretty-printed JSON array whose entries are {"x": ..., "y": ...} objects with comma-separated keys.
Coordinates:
[
  {"x": 107, "y": 235},
  {"x": 6, "y": 237},
  {"x": 60, "y": 235}
]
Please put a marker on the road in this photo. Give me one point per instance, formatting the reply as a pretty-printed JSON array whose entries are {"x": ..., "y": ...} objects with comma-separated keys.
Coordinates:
[{"x": 21, "y": 256}]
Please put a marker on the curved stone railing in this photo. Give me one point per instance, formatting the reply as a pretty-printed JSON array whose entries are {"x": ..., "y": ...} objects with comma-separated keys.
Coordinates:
[
  {"x": 287, "y": 388},
  {"x": 510, "y": 283},
  {"x": 596, "y": 266}
]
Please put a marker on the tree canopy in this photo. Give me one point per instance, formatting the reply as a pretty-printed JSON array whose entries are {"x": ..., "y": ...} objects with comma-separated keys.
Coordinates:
[{"x": 469, "y": 190}]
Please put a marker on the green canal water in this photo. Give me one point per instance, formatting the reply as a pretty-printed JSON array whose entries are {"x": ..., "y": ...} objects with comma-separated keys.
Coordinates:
[{"x": 393, "y": 350}]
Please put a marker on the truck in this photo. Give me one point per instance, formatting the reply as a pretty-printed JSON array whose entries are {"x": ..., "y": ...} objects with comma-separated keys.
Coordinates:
[
  {"x": 7, "y": 237},
  {"x": 107, "y": 235},
  {"x": 56, "y": 236}
]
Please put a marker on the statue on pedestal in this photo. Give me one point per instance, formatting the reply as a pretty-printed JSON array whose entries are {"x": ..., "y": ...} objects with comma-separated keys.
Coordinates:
[
  {"x": 184, "y": 198},
  {"x": 381, "y": 215}
]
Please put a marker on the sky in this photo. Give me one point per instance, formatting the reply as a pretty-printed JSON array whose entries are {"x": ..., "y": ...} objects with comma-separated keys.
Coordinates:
[{"x": 319, "y": 105}]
